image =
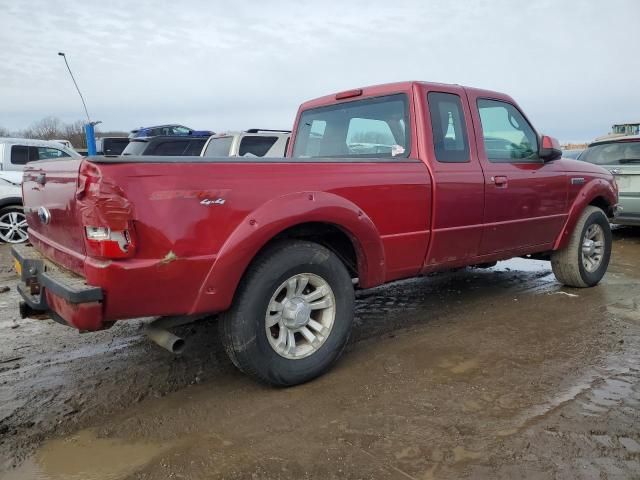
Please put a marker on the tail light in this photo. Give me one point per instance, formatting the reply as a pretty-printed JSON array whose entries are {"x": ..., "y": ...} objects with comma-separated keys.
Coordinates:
[
  {"x": 106, "y": 243},
  {"x": 105, "y": 214}
]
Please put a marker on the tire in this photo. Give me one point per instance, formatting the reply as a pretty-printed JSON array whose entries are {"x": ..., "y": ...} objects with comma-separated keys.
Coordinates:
[
  {"x": 568, "y": 264},
  {"x": 13, "y": 216},
  {"x": 261, "y": 348}
]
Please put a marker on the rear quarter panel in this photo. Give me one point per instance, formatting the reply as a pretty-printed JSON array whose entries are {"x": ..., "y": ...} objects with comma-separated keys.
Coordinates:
[{"x": 191, "y": 254}]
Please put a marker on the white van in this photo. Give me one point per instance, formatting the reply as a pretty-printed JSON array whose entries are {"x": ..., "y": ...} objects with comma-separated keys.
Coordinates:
[{"x": 15, "y": 153}]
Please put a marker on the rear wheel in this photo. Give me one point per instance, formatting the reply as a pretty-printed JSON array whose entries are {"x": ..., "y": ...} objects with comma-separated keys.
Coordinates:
[
  {"x": 292, "y": 315},
  {"x": 584, "y": 261},
  {"x": 13, "y": 225}
]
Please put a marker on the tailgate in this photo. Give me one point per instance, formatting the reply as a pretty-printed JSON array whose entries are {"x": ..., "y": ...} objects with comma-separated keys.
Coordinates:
[
  {"x": 49, "y": 195},
  {"x": 627, "y": 178}
]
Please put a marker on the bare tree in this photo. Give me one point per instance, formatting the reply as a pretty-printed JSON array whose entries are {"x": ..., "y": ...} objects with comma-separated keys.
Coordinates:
[
  {"x": 50, "y": 128},
  {"x": 46, "y": 129},
  {"x": 74, "y": 132},
  {"x": 4, "y": 132}
]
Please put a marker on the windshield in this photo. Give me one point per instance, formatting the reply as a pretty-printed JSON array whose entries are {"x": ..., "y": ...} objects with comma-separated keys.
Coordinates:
[
  {"x": 219, "y": 147},
  {"x": 614, "y": 153},
  {"x": 375, "y": 127}
]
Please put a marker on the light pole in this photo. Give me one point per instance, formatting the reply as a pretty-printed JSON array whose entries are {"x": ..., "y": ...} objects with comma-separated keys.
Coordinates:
[{"x": 88, "y": 127}]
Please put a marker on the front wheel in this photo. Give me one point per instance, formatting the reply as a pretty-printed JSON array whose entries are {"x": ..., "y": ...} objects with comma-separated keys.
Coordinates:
[
  {"x": 584, "y": 260},
  {"x": 292, "y": 315}
]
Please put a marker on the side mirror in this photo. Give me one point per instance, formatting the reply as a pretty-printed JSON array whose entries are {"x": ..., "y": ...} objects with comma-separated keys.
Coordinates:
[{"x": 549, "y": 149}]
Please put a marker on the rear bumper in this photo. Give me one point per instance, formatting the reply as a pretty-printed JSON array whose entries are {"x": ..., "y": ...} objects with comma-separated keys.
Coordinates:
[
  {"x": 627, "y": 219},
  {"x": 628, "y": 212},
  {"x": 45, "y": 287}
]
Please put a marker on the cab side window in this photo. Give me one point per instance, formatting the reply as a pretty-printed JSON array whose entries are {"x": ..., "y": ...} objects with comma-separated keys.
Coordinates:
[
  {"x": 20, "y": 155},
  {"x": 508, "y": 137},
  {"x": 449, "y": 131}
]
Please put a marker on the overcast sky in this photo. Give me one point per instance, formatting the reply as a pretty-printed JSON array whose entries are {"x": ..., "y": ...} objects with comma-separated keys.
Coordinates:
[{"x": 573, "y": 66}]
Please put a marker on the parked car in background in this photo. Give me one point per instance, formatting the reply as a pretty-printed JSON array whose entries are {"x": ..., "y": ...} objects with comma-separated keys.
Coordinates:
[
  {"x": 15, "y": 153},
  {"x": 276, "y": 245},
  {"x": 168, "y": 130},
  {"x": 571, "y": 153},
  {"x": 165, "y": 146},
  {"x": 253, "y": 142},
  {"x": 111, "y": 145},
  {"x": 621, "y": 156}
]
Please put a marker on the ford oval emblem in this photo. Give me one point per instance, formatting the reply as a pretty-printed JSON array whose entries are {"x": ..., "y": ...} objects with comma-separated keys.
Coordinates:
[{"x": 44, "y": 215}]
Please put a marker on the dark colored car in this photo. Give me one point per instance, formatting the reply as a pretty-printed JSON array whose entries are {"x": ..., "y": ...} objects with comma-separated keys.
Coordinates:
[
  {"x": 168, "y": 130},
  {"x": 111, "y": 145},
  {"x": 166, "y": 146}
]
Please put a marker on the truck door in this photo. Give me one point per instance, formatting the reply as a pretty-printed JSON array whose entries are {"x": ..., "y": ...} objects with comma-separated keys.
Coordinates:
[
  {"x": 525, "y": 198},
  {"x": 458, "y": 181}
]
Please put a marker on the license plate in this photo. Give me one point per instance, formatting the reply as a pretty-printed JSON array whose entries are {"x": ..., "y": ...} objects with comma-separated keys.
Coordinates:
[{"x": 16, "y": 263}]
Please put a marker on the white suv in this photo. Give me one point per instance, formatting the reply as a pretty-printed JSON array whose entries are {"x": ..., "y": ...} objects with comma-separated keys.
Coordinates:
[
  {"x": 250, "y": 143},
  {"x": 15, "y": 153}
]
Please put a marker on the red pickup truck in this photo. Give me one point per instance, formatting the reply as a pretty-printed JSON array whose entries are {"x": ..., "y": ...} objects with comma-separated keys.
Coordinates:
[{"x": 380, "y": 183}]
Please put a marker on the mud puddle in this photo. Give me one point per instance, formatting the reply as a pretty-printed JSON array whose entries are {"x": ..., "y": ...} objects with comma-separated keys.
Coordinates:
[{"x": 83, "y": 456}]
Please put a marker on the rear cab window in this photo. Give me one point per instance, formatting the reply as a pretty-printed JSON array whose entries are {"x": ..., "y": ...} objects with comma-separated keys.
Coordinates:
[{"x": 373, "y": 127}]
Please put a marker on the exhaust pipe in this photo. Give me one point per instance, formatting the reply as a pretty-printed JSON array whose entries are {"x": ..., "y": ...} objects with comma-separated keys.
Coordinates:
[
  {"x": 158, "y": 332},
  {"x": 166, "y": 340}
]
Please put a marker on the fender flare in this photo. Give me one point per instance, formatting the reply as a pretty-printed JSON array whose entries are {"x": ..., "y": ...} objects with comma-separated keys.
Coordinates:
[
  {"x": 273, "y": 218},
  {"x": 597, "y": 187}
]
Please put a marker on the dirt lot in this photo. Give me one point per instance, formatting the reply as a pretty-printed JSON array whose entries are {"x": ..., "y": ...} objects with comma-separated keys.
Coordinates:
[{"x": 497, "y": 373}]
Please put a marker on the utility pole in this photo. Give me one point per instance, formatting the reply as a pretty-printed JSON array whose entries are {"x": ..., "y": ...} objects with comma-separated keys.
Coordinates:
[{"x": 89, "y": 126}]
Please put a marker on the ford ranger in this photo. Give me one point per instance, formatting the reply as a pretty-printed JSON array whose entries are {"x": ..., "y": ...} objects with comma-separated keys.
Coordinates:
[{"x": 379, "y": 184}]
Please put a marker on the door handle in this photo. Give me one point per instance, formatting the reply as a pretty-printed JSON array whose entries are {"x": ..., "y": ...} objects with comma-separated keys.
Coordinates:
[{"x": 500, "y": 180}]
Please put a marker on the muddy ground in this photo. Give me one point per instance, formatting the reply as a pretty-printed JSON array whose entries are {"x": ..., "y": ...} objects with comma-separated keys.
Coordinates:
[{"x": 499, "y": 373}]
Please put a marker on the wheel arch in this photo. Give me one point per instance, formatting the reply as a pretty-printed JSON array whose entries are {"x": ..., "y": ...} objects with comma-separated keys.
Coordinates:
[
  {"x": 598, "y": 193},
  {"x": 325, "y": 218}
]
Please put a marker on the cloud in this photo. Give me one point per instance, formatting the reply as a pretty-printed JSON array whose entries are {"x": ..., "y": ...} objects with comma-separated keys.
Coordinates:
[{"x": 217, "y": 65}]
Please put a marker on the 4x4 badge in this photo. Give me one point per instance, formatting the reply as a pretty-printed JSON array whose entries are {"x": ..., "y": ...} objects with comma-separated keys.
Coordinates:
[{"x": 208, "y": 201}]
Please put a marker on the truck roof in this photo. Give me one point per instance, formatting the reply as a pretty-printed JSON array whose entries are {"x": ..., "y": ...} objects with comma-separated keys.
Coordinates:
[{"x": 387, "y": 88}]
